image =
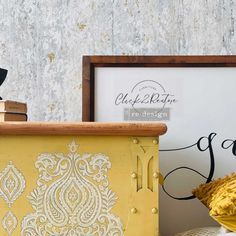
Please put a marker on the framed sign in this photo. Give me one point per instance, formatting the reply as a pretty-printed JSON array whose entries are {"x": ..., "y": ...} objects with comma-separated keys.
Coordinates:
[{"x": 195, "y": 96}]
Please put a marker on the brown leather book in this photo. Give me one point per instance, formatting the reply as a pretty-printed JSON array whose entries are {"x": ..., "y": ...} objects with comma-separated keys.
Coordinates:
[
  {"x": 12, "y": 106},
  {"x": 5, "y": 116}
]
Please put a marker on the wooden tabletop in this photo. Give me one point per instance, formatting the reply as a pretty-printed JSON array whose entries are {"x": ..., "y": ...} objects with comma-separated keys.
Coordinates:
[{"x": 82, "y": 128}]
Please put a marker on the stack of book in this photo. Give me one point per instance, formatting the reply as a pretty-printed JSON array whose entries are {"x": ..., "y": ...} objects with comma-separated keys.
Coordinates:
[{"x": 12, "y": 111}]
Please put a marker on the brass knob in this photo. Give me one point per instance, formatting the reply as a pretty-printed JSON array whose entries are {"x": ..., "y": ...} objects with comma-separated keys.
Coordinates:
[
  {"x": 135, "y": 141},
  {"x": 134, "y": 175},
  {"x": 154, "y": 141},
  {"x": 133, "y": 210},
  {"x": 154, "y": 210},
  {"x": 155, "y": 175}
]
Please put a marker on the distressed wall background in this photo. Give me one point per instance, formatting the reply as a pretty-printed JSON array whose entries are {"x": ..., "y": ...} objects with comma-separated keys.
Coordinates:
[{"x": 42, "y": 43}]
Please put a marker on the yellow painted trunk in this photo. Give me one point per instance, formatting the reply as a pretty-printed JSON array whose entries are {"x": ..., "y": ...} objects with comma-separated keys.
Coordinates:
[{"x": 78, "y": 185}]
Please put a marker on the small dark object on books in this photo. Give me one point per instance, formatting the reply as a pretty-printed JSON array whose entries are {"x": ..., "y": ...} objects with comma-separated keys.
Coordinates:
[{"x": 3, "y": 74}]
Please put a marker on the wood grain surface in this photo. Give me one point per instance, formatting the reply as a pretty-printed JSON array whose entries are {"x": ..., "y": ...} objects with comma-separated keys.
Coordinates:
[{"x": 82, "y": 128}]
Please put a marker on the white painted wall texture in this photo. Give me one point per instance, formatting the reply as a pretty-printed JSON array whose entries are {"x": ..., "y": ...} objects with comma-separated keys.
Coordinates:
[{"x": 42, "y": 43}]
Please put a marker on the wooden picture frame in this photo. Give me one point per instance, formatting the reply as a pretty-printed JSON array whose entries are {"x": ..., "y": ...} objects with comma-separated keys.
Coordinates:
[
  {"x": 201, "y": 142},
  {"x": 90, "y": 63}
]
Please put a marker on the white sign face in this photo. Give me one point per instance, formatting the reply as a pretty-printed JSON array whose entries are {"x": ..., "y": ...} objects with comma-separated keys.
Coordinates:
[{"x": 199, "y": 107}]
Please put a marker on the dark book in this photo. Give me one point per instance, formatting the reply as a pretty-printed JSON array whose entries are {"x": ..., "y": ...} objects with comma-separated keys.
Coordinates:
[
  {"x": 5, "y": 116},
  {"x": 13, "y": 106}
]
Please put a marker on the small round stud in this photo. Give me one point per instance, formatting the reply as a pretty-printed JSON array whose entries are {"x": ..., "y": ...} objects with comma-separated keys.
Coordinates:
[
  {"x": 154, "y": 141},
  {"x": 134, "y": 175},
  {"x": 155, "y": 175},
  {"x": 133, "y": 210},
  {"x": 154, "y": 210},
  {"x": 135, "y": 141}
]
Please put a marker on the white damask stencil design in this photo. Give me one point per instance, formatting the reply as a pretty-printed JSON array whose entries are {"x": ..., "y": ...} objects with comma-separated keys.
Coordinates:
[
  {"x": 12, "y": 184},
  {"x": 9, "y": 222},
  {"x": 72, "y": 197}
]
